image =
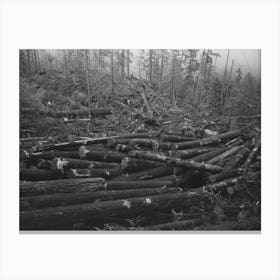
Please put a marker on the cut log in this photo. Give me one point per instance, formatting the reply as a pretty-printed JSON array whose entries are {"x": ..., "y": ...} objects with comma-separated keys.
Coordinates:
[
  {"x": 224, "y": 175},
  {"x": 224, "y": 155},
  {"x": 175, "y": 138},
  {"x": 64, "y": 164},
  {"x": 186, "y": 154},
  {"x": 64, "y": 217},
  {"x": 252, "y": 155},
  {"x": 151, "y": 173},
  {"x": 125, "y": 185},
  {"x": 140, "y": 135},
  {"x": 55, "y": 200},
  {"x": 132, "y": 165},
  {"x": 207, "y": 156},
  {"x": 29, "y": 174},
  {"x": 239, "y": 158},
  {"x": 207, "y": 141},
  {"x": 61, "y": 186},
  {"x": 50, "y": 155},
  {"x": 105, "y": 156},
  {"x": 178, "y": 225},
  {"x": 174, "y": 161},
  {"x": 93, "y": 173}
]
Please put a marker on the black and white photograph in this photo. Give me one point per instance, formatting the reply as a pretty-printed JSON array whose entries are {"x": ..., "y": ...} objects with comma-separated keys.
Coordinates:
[{"x": 140, "y": 139}]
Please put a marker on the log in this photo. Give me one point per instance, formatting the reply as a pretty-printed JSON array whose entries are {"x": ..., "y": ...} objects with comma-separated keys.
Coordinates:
[
  {"x": 140, "y": 135},
  {"x": 29, "y": 174},
  {"x": 64, "y": 164},
  {"x": 105, "y": 156},
  {"x": 175, "y": 161},
  {"x": 177, "y": 225},
  {"x": 50, "y": 155},
  {"x": 239, "y": 158},
  {"x": 62, "y": 199},
  {"x": 151, "y": 173},
  {"x": 224, "y": 175},
  {"x": 175, "y": 138},
  {"x": 61, "y": 186},
  {"x": 186, "y": 154},
  {"x": 224, "y": 155},
  {"x": 131, "y": 164},
  {"x": 64, "y": 217},
  {"x": 125, "y": 185},
  {"x": 213, "y": 140},
  {"x": 93, "y": 173},
  {"x": 207, "y": 156},
  {"x": 252, "y": 155}
]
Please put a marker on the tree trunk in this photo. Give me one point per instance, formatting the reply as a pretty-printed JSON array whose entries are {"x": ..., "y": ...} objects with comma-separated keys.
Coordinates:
[
  {"x": 55, "y": 200},
  {"x": 175, "y": 161},
  {"x": 124, "y": 185},
  {"x": 175, "y": 138},
  {"x": 61, "y": 186},
  {"x": 252, "y": 155},
  {"x": 186, "y": 154},
  {"x": 38, "y": 174},
  {"x": 224, "y": 175},
  {"x": 88, "y": 83},
  {"x": 224, "y": 155},
  {"x": 131, "y": 164},
  {"x": 238, "y": 159},
  {"x": 93, "y": 173}
]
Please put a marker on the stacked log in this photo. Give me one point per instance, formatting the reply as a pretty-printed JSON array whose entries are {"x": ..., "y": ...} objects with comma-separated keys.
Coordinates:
[{"x": 82, "y": 184}]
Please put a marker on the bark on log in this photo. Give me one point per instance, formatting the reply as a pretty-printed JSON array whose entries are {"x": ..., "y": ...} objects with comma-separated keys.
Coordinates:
[
  {"x": 239, "y": 158},
  {"x": 125, "y": 185},
  {"x": 64, "y": 217},
  {"x": 224, "y": 175},
  {"x": 27, "y": 174},
  {"x": 132, "y": 165},
  {"x": 207, "y": 141},
  {"x": 186, "y": 154},
  {"x": 55, "y": 200},
  {"x": 252, "y": 155},
  {"x": 50, "y": 155},
  {"x": 175, "y": 161},
  {"x": 175, "y": 138},
  {"x": 151, "y": 173},
  {"x": 105, "y": 156},
  {"x": 224, "y": 155},
  {"x": 178, "y": 225},
  {"x": 207, "y": 156},
  {"x": 140, "y": 135},
  {"x": 61, "y": 186},
  {"x": 93, "y": 173}
]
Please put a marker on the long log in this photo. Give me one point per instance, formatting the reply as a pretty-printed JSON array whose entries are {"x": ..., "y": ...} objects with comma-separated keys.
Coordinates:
[
  {"x": 174, "y": 161},
  {"x": 207, "y": 141},
  {"x": 93, "y": 173},
  {"x": 178, "y": 225},
  {"x": 224, "y": 175},
  {"x": 224, "y": 155},
  {"x": 55, "y": 200},
  {"x": 105, "y": 156},
  {"x": 175, "y": 138},
  {"x": 64, "y": 164},
  {"x": 125, "y": 185},
  {"x": 131, "y": 164},
  {"x": 207, "y": 156},
  {"x": 50, "y": 155},
  {"x": 186, "y": 154},
  {"x": 252, "y": 155},
  {"x": 64, "y": 217},
  {"x": 28, "y": 174},
  {"x": 61, "y": 186},
  {"x": 239, "y": 158}
]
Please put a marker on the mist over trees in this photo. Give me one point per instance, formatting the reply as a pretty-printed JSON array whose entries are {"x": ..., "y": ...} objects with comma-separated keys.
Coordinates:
[{"x": 184, "y": 75}]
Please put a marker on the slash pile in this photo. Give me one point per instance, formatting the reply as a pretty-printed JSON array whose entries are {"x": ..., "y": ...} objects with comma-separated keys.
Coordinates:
[{"x": 156, "y": 180}]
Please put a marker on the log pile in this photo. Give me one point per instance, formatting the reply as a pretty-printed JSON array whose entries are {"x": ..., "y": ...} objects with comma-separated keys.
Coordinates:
[{"x": 156, "y": 180}]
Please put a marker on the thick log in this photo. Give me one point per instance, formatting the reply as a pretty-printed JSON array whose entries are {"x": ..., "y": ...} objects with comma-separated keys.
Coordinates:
[
  {"x": 252, "y": 155},
  {"x": 55, "y": 200},
  {"x": 239, "y": 158},
  {"x": 175, "y": 161},
  {"x": 93, "y": 173},
  {"x": 140, "y": 135},
  {"x": 207, "y": 156},
  {"x": 50, "y": 155},
  {"x": 234, "y": 142},
  {"x": 64, "y": 164},
  {"x": 186, "y": 154},
  {"x": 61, "y": 186},
  {"x": 224, "y": 175},
  {"x": 175, "y": 138},
  {"x": 105, "y": 156},
  {"x": 28, "y": 174},
  {"x": 178, "y": 225},
  {"x": 132, "y": 165},
  {"x": 224, "y": 155},
  {"x": 125, "y": 185},
  {"x": 207, "y": 141},
  {"x": 64, "y": 217},
  {"x": 151, "y": 173}
]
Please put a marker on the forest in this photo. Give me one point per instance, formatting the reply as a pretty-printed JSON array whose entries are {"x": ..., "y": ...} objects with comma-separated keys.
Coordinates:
[{"x": 123, "y": 139}]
